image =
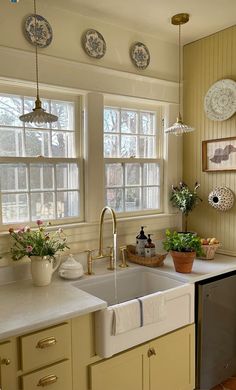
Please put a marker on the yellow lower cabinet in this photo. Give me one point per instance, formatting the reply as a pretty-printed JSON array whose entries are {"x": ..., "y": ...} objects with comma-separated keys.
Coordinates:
[
  {"x": 127, "y": 371},
  {"x": 55, "y": 377},
  {"x": 172, "y": 361},
  {"x": 8, "y": 370}
]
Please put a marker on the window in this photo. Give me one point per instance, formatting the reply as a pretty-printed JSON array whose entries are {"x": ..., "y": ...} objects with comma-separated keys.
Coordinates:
[
  {"x": 132, "y": 170},
  {"x": 39, "y": 171}
]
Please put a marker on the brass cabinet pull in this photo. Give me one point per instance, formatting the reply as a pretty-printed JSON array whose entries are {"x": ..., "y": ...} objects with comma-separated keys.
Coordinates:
[
  {"x": 151, "y": 352},
  {"x": 6, "y": 362},
  {"x": 47, "y": 342},
  {"x": 47, "y": 380}
]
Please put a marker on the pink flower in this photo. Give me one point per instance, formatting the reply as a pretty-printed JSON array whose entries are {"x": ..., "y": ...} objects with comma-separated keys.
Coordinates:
[
  {"x": 29, "y": 249},
  {"x": 39, "y": 222},
  {"x": 11, "y": 230}
]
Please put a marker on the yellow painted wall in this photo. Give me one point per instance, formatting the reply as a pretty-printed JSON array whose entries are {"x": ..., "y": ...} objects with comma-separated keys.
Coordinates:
[{"x": 205, "y": 62}]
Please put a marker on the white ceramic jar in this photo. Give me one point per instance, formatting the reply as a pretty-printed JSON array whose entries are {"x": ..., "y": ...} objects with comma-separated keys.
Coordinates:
[{"x": 71, "y": 269}]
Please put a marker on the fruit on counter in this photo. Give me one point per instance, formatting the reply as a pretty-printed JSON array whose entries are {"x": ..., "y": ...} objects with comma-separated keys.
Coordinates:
[{"x": 209, "y": 241}]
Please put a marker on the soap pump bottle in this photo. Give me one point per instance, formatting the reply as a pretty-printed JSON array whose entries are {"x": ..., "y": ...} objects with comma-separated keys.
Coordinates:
[
  {"x": 149, "y": 247},
  {"x": 141, "y": 240}
]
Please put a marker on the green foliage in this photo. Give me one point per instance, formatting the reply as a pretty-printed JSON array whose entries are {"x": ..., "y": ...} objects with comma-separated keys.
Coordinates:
[
  {"x": 36, "y": 242},
  {"x": 182, "y": 242},
  {"x": 185, "y": 199}
]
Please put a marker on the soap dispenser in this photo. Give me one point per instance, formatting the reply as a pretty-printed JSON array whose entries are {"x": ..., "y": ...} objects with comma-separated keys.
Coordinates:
[
  {"x": 141, "y": 240},
  {"x": 149, "y": 247}
]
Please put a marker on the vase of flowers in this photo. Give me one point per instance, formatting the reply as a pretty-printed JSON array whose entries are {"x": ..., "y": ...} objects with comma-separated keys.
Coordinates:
[{"x": 41, "y": 247}]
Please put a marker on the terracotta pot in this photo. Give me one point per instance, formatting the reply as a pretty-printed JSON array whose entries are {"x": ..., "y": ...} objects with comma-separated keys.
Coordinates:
[{"x": 183, "y": 261}]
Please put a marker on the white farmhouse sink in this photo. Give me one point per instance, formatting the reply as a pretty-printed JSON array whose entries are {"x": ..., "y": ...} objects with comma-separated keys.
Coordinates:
[{"x": 129, "y": 284}]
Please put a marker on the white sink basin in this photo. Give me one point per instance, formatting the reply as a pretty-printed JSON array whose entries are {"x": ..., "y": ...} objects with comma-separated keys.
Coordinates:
[{"x": 129, "y": 284}]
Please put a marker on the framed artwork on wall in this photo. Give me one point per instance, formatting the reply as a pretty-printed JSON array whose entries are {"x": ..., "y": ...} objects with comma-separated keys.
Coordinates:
[{"x": 219, "y": 155}]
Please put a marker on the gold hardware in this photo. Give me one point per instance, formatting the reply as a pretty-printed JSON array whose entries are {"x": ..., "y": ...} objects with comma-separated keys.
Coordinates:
[
  {"x": 47, "y": 380},
  {"x": 180, "y": 19},
  {"x": 5, "y": 362},
  {"x": 89, "y": 263},
  {"x": 123, "y": 263},
  {"x": 151, "y": 352},
  {"x": 111, "y": 259},
  {"x": 47, "y": 342}
]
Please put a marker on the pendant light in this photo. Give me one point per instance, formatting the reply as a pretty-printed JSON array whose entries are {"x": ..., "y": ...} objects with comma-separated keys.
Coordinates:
[
  {"x": 38, "y": 115},
  {"x": 179, "y": 127}
]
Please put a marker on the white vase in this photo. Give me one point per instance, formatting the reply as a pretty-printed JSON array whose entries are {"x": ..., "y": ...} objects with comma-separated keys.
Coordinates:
[{"x": 42, "y": 269}]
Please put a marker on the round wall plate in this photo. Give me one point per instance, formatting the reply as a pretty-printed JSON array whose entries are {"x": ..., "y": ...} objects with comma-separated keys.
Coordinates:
[
  {"x": 93, "y": 43},
  {"x": 220, "y": 100},
  {"x": 140, "y": 55},
  {"x": 42, "y": 35}
]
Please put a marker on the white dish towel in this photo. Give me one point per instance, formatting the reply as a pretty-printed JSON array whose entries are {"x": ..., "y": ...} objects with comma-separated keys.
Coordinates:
[
  {"x": 153, "y": 308},
  {"x": 126, "y": 316}
]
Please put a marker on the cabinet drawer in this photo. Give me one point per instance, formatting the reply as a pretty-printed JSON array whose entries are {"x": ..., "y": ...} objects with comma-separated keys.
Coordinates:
[
  {"x": 55, "y": 377},
  {"x": 41, "y": 348}
]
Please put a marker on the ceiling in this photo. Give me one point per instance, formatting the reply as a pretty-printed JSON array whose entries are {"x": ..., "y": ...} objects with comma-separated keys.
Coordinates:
[{"x": 153, "y": 16}]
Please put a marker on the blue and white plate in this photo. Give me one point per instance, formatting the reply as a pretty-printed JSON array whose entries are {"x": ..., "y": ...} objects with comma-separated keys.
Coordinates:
[
  {"x": 140, "y": 55},
  {"x": 43, "y": 33},
  {"x": 93, "y": 43}
]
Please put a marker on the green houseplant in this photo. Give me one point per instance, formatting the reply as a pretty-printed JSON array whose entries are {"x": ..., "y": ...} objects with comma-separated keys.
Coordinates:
[
  {"x": 183, "y": 247},
  {"x": 185, "y": 200}
]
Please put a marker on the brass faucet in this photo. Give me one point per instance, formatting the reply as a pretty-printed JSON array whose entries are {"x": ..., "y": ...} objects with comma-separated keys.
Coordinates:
[{"x": 113, "y": 250}]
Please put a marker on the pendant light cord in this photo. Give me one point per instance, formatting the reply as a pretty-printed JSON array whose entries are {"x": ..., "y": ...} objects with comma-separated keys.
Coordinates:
[
  {"x": 36, "y": 52},
  {"x": 179, "y": 69}
]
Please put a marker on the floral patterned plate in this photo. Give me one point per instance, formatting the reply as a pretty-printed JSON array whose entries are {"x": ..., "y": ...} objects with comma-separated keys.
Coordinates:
[
  {"x": 43, "y": 34},
  {"x": 140, "y": 55},
  {"x": 220, "y": 100},
  {"x": 93, "y": 43}
]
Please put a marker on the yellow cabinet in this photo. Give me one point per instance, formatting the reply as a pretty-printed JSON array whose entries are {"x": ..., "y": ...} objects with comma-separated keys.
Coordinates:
[
  {"x": 164, "y": 363},
  {"x": 8, "y": 370}
]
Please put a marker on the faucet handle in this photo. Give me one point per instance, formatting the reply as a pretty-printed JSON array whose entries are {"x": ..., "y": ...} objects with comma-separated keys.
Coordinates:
[
  {"x": 89, "y": 262},
  {"x": 123, "y": 263}
]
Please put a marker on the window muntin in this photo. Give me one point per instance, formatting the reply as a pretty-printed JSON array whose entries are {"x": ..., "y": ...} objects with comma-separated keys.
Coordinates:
[
  {"x": 131, "y": 186},
  {"x": 39, "y": 173}
]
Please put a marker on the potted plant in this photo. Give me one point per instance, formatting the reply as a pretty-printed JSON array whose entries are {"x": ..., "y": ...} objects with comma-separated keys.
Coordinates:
[
  {"x": 183, "y": 247},
  {"x": 185, "y": 200},
  {"x": 41, "y": 247}
]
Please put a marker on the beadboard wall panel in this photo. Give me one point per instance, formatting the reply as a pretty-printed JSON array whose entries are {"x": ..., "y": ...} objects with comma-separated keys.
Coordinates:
[{"x": 205, "y": 62}]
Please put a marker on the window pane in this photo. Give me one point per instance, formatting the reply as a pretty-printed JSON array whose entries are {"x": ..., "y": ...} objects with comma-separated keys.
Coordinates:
[
  {"x": 10, "y": 142},
  {"x": 111, "y": 145},
  {"x": 67, "y": 204},
  {"x": 43, "y": 206},
  {"x": 11, "y": 107},
  {"x": 147, "y": 147},
  {"x": 111, "y": 120},
  {"x": 13, "y": 177},
  {"x": 151, "y": 198},
  {"x": 36, "y": 143},
  {"x": 129, "y": 121},
  {"x": 114, "y": 199},
  {"x": 15, "y": 208},
  {"x": 65, "y": 113},
  {"x": 147, "y": 123},
  {"x": 67, "y": 176},
  {"x": 128, "y": 146},
  {"x": 62, "y": 144},
  {"x": 132, "y": 199},
  {"x": 151, "y": 174},
  {"x": 132, "y": 174},
  {"x": 114, "y": 175},
  {"x": 41, "y": 177}
]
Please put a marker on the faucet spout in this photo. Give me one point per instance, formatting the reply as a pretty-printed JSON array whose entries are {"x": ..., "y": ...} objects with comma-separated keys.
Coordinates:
[{"x": 114, "y": 229}]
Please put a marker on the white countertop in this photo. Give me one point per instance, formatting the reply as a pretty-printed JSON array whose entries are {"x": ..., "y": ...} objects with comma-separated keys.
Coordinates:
[{"x": 25, "y": 308}]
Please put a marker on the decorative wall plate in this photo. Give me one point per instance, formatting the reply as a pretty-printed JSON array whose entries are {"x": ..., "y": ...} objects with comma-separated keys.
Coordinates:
[
  {"x": 220, "y": 100},
  {"x": 93, "y": 43},
  {"x": 140, "y": 55},
  {"x": 43, "y": 33}
]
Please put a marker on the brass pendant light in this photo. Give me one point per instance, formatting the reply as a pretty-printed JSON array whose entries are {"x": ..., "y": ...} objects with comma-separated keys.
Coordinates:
[
  {"x": 38, "y": 115},
  {"x": 179, "y": 127}
]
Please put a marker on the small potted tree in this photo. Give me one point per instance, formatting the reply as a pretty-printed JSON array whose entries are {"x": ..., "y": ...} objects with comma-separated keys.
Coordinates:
[
  {"x": 183, "y": 247},
  {"x": 185, "y": 200}
]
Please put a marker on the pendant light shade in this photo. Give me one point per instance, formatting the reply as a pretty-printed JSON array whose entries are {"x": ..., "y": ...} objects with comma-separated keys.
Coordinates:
[
  {"x": 179, "y": 127},
  {"x": 38, "y": 115}
]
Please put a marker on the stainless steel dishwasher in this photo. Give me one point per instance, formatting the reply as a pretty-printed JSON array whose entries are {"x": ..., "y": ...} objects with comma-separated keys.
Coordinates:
[{"x": 216, "y": 330}]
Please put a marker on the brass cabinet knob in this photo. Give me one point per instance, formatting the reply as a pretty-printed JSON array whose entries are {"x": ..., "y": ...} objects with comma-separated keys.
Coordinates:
[
  {"x": 47, "y": 380},
  {"x": 47, "y": 342},
  {"x": 151, "y": 352},
  {"x": 5, "y": 362}
]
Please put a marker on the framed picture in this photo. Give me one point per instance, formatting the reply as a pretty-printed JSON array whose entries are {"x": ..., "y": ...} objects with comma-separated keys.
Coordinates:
[{"x": 219, "y": 155}]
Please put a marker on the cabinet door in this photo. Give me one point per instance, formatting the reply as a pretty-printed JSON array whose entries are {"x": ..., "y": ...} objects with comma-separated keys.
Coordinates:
[
  {"x": 172, "y": 361},
  {"x": 126, "y": 371},
  {"x": 8, "y": 370}
]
